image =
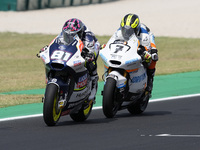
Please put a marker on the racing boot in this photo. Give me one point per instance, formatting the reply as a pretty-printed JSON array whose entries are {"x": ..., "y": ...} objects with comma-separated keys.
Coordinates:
[
  {"x": 150, "y": 74},
  {"x": 94, "y": 79},
  {"x": 92, "y": 68}
]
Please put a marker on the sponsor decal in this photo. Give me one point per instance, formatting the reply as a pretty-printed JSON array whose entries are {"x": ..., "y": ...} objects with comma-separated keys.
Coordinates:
[
  {"x": 71, "y": 105},
  {"x": 83, "y": 94},
  {"x": 43, "y": 58},
  {"x": 77, "y": 63},
  {"x": 58, "y": 61},
  {"x": 82, "y": 81},
  {"x": 115, "y": 56},
  {"x": 138, "y": 78},
  {"x": 62, "y": 47}
]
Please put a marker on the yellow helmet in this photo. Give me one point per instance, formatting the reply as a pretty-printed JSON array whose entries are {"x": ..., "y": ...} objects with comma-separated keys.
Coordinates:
[{"x": 130, "y": 24}]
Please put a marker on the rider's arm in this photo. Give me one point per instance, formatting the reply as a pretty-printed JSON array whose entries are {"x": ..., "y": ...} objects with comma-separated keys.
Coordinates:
[
  {"x": 153, "y": 50},
  {"x": 146, "y": 38},
  {"x": 91, "y": 44}
]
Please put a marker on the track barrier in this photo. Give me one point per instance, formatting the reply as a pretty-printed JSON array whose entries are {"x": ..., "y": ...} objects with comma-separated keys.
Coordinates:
[{"x": 24, "y": 5}]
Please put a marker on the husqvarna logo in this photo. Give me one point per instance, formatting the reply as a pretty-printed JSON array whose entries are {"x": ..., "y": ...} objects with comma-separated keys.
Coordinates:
[{"x": 138, "y": 78}]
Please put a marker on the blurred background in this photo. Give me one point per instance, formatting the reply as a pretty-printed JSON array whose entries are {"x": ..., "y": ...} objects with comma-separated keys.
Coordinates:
[
  {"x": 174, "y": 18},
  {"x": 21, "y": 5}
]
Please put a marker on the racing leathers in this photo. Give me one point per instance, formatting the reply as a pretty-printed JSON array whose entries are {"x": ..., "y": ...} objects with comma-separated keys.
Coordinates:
[
  {"x": 147, "y": 50},
  {"x": 149, "y": 53}
]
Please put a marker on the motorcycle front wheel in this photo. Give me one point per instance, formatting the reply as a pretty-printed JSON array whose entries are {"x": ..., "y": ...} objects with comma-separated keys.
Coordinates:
[
  {"x": 51, "y": 112},
  {"x": 110, "y": 106}
]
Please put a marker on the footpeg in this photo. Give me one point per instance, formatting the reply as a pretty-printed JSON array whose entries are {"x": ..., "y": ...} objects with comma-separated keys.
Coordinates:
[{"x": 62, "y": 104}]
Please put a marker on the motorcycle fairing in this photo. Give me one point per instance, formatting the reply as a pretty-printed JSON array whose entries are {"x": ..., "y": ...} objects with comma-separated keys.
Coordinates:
[
  {"x": 123, "y": 55},
  {"x": 66, "y": 60}
]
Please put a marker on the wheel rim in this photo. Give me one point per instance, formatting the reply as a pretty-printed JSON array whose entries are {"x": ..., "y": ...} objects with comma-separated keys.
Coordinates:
[
  {"x": 87, "y": 110},
  {"x": 56, "y": 111}
]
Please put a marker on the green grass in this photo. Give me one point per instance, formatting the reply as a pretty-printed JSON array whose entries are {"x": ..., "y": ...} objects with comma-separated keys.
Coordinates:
[
  {"x": 22, "y": 70},
  {"x": 177, "y": 55}
]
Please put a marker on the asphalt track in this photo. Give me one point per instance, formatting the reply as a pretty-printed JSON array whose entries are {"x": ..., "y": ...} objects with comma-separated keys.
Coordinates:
[
  {"x": 167, "y": 125},
  {"x": 172, "y": 123}
]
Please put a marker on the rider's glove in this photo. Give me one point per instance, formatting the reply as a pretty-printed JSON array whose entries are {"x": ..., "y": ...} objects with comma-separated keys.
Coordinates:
[
  {"x": 90, "y": 62},
  {"x": 103, "y": 46},
  {"x": 154, "y": 54},
  {"x": 147, "y": 57},
  {"x": 89, "y": 57}
]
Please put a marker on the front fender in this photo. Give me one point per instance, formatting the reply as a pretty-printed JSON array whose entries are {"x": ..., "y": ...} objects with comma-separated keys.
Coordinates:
[
  {"x": 62, "y": 85},
  {"x": 120, "y": 79}
]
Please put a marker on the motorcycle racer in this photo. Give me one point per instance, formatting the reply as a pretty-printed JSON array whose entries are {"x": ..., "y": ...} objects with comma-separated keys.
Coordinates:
[
  {"x": 90, "y": 51},
  {"x": 130, "y": 25}
]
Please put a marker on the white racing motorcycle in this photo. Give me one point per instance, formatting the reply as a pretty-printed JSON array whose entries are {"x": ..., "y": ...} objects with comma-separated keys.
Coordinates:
[
  {"x": 125, "y": 78},
  {"x": 68, "y": 83}
]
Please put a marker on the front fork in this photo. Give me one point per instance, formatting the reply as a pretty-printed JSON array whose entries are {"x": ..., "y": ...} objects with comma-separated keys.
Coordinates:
[
  {"x": 121, "y": 77},
  {"x": 65, "y": 89}
]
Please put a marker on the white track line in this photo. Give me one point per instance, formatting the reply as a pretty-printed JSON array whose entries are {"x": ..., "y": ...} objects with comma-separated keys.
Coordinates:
[
  {"x": 174, "y": 97},
  {"x": 171, "y": 135},
  {"x": 20, "y": 117},
  {"x": 100, "y": 107}
]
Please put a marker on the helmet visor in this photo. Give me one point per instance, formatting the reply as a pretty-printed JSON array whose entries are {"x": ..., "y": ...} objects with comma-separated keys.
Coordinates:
[
  {"x": 68, "y": 37},
  {"x": 127, "y": 32}
]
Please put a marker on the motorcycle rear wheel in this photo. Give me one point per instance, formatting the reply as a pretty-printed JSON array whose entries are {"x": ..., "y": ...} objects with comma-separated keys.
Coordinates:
[
  {"x": 110, "y": 107},
  {"x": 51, "y": 113},
  {"x": 139, "y": 107},
  {"x": 83, "y": 113}
]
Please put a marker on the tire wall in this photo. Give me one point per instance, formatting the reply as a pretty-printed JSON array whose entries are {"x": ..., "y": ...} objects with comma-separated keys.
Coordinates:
[{"x": 22, "y": 5}]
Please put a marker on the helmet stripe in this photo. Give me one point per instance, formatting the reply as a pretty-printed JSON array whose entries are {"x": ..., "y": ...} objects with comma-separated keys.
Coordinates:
[
  {"x": 128, "y": 20},
  {"x": 122, "y": 23},
  {"x": 135, "y": 23}
]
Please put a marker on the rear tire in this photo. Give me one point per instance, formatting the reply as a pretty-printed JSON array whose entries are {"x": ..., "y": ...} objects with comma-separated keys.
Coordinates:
[
  {"x": 139, "y": 107},
  {"x": 83, "y": 113},
  {"x": 110, "y": 107},
  {"x": 51, "y": 113}
]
